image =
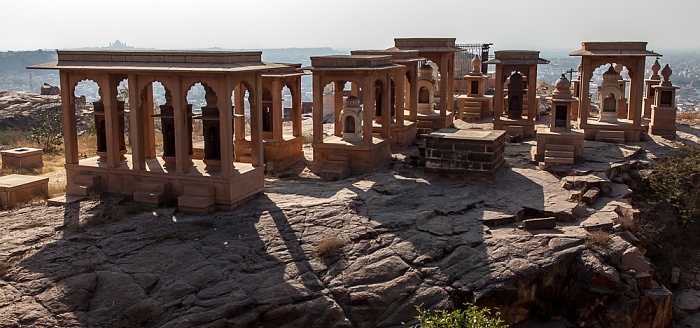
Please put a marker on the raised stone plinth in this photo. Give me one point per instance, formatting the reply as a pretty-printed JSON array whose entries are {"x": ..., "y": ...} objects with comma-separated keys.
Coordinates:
[
  {"x": 16, "y": 189},
  {"x": 22, "y": 158},
  {"x": 465, "y": 154}
]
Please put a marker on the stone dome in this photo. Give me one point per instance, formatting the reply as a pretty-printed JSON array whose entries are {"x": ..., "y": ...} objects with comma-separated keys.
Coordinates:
[
  {"x": 426, "y": 71},
  {"x": 618, "y": 67},
  {"x": 352, "y": 101},
  {"x": 666, "y": 73},
  {"x": 476, "y": 64},
  {"x": 611, "y": 75},
  {"x": 562, "y": 88},
  {"x": 655, "y": 67}
]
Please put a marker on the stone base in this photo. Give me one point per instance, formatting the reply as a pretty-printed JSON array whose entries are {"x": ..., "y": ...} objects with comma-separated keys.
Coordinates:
[
  {"x": 528, "y": 126},
  {"x": 663, "y": 122},
  {"x": 573, "y": 138},
  {"x": 16, "y": 189},
  {"x": 282, "y": 154},
  {"x": 401, "y": 136},
  {"x": 631, "y": 131},
  {"x": 357, "y": 157},
  {"x": 436, "y": 121},
  {"x": 465, "y": 154},
  {"x": 246, "y": 181},
  {"x": 22, "y": 158},
  {"x": 485, "y": 104}
]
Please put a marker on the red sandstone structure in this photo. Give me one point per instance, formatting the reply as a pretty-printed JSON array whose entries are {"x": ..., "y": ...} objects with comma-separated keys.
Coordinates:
[
  {"x": 441, "y": 51},
  {"x": 663, "y": 111},
  {"x": 474, "y": 105},
  {"x": 608, "y": 127},
  {"x": 199, "y": 184},
  {"x": 353, "y": 147},
  {"x": 514, "y": 98}
]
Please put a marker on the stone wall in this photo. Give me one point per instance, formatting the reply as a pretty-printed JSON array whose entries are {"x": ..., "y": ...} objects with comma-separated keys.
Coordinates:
[{"x": 465, "y": 154}]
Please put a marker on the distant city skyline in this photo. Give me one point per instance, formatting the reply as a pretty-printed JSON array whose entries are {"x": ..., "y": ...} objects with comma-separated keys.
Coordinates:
[{"x": 360, "y": 24}]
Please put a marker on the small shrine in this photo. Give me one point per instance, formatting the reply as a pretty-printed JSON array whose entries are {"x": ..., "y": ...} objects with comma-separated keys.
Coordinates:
[
  {"x": 441, "y": 52},
  {"x": 612, "y": 101},
  {"x": 654, "y": 79},
  {"x": 474, "y": 105},
  {"x": 404, "y": 95},
  {"x": 663, "y": 111},
  {"x": 515, "y": 108},
  {"x": 559, "y": 144},
  {"x": 354, "y": 147},
  {"x": 629, "y": 55}
]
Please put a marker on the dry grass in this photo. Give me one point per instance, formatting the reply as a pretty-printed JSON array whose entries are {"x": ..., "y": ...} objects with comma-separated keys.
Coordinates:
[
  {"x": 6, "y": 266},
  {"x": 56, "y": 189},
  {"x": 687, "y": 115},
  {"x": 330, "y": 247},
  {"x": 87, "y": 145},
  {"x": 598, "y": 238}
]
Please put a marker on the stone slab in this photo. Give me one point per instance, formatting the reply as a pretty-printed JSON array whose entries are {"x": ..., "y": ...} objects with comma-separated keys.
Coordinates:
[{"x": 540, "y": 223}]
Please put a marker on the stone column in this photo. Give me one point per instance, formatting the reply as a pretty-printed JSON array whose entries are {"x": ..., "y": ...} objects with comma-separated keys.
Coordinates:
[
  {"x": 636, "y": 92},
  {"x": 584, "y": 98},
  {"x": 181, "y": 128},
  {"x": 276, "y": 110},
  {"x": 111, "y": 119},
  {"x": 137, "y": 125},
  {"x": 367, "y": 111},
  {"x": 317, "y": 110},
  {"x": 532, "y": 105},
  {"x": 386, "y": 105},
  {"x": 498, "y": 95},
  {"x": 412, "y": 98},
  {"x": 444, "y": 76},
  {"x": 450, "y": 84},
  {"x": 226, "y": 126},
  {"x": 337, "y": 107},
  {"x": 70, "y": 133},
  {"x": 149, "y": 137},
  {"x": 256, "y": 146},
  {"x": 399, "y": 93},
  {"x": 296, "y": 107}
]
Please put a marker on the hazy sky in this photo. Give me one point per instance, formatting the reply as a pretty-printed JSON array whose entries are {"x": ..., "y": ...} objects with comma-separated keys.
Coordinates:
[{"x": 345, "y": 25}]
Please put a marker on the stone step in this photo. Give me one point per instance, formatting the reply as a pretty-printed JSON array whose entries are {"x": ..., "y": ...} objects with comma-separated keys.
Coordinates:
[
  {"x": 79, "y": 189},
  {"x": 339, "y": 166},
  {"x": 558, "y": 153},
  {"x": 86, "y": 179},
  {"x": 559, "y": 160},
  {"x": 470, "y": 116},
  {"x": 199, "y": 190},
  {"x": 161, "y": 186},
  {"x": 195, "y": 204},
  {"x": 195, "y": 201},
  {"x": 64, "y": 200},
  {"x": 559, "y": 147},
  {"x": 150, "y": 197},
  {"x": 610, "y": 136},
  {"x": 338, "y": 156}
]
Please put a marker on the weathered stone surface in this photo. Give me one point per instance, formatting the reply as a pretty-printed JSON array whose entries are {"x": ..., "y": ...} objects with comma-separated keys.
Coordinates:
[
  {"x": 590, "y": 196},
  {"x": 542, "y": 223}
]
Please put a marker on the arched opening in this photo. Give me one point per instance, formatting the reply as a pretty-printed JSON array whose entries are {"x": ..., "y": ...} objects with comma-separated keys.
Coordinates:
[
  {"x": 206, "y": 126},
  {"x": 242, "y": 100},
  {"x": 423, "y": 95},
  {"x": 610, "y": 103},
  {"x": 560, "y": 116},
  {"x": 87, "y": 93},
  {"x": 122, "y": 117},
  {"x": 349, "y": 125},
  {"x": 267, "y": 120},
  {"x": 154, "y": 97},
  {"x": 212, "y": 149},
  {"x": 378, "y": 95}
]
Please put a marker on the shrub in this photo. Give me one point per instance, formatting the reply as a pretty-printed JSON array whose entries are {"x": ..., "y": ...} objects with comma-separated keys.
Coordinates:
[
  {"x": 49, "y": 133},
  {"x": 470, "y": 317},
  {"x": 597, "y": 238},
  {"x": 330, "y": 247},
  {"x": 674, "y": 182}
]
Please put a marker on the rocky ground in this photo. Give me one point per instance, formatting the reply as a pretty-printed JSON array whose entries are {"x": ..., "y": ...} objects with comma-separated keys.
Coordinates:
[{"x": 360, "y": 252}]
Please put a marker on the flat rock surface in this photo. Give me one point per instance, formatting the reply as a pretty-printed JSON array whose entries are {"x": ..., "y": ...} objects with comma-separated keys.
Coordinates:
[{"x": 406, "y": 239}]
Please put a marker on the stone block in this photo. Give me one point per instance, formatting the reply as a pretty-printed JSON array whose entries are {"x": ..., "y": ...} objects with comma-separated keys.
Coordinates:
[
  {"x": 540, "y": 223},
  {"x": 590, "y": 196},
  {"x": 22, "y": 158},
  {"x": 16, "y": 188}
]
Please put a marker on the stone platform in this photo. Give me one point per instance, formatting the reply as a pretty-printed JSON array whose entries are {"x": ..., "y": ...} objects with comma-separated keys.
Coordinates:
[
  {"x": 465, "y": 154},
  {"x": 16, "y": 188},
  {"x": 22, "y": 158}
]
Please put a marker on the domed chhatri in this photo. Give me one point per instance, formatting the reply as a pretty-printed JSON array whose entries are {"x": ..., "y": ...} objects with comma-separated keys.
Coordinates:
[
  {"x": 611, "y": 75},
  {"x": 352, "y": 101}
]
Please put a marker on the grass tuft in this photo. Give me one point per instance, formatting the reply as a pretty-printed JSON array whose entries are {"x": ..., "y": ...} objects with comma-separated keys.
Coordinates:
[{"x": 330, "y": 247}]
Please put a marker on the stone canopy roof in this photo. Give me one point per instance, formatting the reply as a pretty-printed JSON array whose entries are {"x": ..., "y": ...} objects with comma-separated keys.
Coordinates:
[
  {"x": 170, "y": 60},
  {"x": 516, "y": 57},
  {"x": 613, "y": 48}
]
